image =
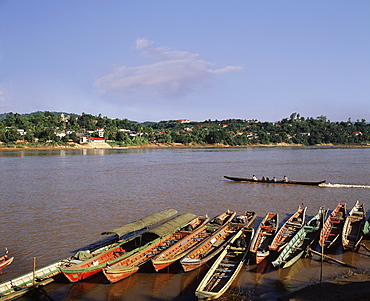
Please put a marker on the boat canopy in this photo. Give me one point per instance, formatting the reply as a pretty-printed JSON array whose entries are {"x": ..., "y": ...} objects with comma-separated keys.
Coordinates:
[
  {"x": 173, "y": 224},
  {"x": 142, "y": 223}
]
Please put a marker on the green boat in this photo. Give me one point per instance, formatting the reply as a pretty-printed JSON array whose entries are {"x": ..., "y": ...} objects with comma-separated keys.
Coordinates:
[{"x": 301, "y": 241}]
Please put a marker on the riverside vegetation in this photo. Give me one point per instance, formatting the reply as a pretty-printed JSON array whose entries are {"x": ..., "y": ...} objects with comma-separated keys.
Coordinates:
[{"x": 63, "y": 129}]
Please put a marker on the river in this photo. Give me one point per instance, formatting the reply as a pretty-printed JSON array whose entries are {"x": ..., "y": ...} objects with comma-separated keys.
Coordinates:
[{"x": 54, "y": 202}]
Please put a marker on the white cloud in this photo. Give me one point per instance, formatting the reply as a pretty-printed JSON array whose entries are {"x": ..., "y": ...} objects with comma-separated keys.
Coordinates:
[
  {"x": 174, "y": 74},
  {"x": 142, "y": 43}
]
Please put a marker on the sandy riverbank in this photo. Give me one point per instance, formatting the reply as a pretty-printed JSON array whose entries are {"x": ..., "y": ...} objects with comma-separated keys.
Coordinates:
[{"x": 76, "y": 146}]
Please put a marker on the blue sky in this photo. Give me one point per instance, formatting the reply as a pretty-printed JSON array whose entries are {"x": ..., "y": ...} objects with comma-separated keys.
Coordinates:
[{"x": 155, "y": 60}]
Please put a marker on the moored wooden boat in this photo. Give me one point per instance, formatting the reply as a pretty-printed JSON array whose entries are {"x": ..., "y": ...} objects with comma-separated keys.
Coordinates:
[
  {"x": 331, "y": 232},
  {"x": 248, "y": 218},
  {"x": 82, "y": 268},
  {"x": 181, "y": 248},
  {"x": 131, "y": 264},
  {"x": 213, "y": 245},
  {"x": 226, "y": 267},
  {"x": 264, "y": 236},
  {"x": 288, "y": 229},
  {"x": 301, "y": 241},
  {"x": 275, "y": 182},
  {"x": 17, "y": 287},
  {"x": 352, "y": 230}
]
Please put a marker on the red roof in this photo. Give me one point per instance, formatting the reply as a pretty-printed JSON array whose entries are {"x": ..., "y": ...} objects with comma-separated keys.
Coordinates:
[{"x": 95, "y": 138}]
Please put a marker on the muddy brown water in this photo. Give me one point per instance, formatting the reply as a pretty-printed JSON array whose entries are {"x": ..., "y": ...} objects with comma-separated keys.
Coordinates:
[{"x": 55, "y": 202}]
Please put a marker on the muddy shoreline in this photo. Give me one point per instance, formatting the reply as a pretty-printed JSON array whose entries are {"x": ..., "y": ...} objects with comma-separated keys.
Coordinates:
[{"x": 352, "y": 286}]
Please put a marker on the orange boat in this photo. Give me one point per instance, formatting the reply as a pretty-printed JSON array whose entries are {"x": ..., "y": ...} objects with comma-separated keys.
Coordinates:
[
  {"x": 264, "y": 236},
  {"x": 331, "y": 232},
  {"x": 289, "y": 229}
]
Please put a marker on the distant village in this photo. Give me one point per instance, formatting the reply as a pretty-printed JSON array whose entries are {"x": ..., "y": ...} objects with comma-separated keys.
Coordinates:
[{"x": 51, "y": 128}]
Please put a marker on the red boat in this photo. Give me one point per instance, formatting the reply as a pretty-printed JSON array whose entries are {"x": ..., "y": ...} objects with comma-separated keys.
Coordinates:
[
  {"x": 81, "y": 269},
  {"x": 131, "y": 264},
  {"x": 5, "y": 261}
]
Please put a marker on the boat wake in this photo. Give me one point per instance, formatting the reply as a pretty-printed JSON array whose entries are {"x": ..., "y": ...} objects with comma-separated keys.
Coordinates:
[{"x": 343, "y": 185}]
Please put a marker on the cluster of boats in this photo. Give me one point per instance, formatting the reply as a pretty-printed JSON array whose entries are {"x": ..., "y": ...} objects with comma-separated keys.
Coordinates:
[{"x": 167, "y": 237}]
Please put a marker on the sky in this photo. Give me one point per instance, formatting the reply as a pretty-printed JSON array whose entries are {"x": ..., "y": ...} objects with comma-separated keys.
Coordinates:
[{"x": 154, "y": 60}]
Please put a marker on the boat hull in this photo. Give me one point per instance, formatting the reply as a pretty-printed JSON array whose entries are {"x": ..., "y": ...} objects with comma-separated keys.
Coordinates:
[
  {"x": 288, "y": 230},
  {"x": 132, "y": 263},
  {"x": 264, "y": 236},
  {"x": 331, "y": 232},
  {"x": 211, "y": 246},
  {"x": 17, "y": 287},
  {"x": 180, "y": 249},
  {"x": 4, "y": 263},
  {"x": 115, "y": 275},
  {"x": 226, "y": 268},
  {"x": 352, "y": 230},
  {"x": 300, "y": 241},
  {"x": 275, "y": 182}
]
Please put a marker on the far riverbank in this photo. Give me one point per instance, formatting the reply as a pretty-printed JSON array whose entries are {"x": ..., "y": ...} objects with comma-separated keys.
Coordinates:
[{"x": 75, "y": 146}]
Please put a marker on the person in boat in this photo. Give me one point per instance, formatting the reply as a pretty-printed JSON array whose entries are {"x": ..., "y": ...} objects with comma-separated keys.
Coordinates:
[
  {"x": 274, "y": 179},
  {"x": 267, "y": 179},
  {"x": 263, "y": 179},
  {"x": 254, "y": 178},
  {"x": 285, "y": 179}
]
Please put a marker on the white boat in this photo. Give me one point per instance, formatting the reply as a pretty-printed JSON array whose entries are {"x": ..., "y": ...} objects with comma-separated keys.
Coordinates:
[{"x": 226, "y": 267}]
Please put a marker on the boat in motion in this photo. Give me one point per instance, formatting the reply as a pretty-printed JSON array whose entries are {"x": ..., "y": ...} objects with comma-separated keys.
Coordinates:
[
  {"x": 274, "y": 182},
  {"x": 352, "y": 230},
  {"x": 299, "y": 243},
  {"x": 226, "y": 267},
  {"x": 264, "y": 236}
]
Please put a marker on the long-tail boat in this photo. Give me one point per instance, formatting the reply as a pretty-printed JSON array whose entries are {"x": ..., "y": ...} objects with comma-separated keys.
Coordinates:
[
  {"x": 17, "y": 287},
  {"x": 301, "y": 241},
  {"x": 274, "y": 181},
  {"x": 79, "y": 269},
  {"x": 288, "y": 229},
  {"x": 181, "y": 248},
  {"x": 223, "y": 229},
  {"x": 331, "y": 232},
  {"x": 226, "y": 267},
  {"x": 264, "y": 236},
  {"x": 165, "y": 239},
  {"x": 352, "y": 230}
]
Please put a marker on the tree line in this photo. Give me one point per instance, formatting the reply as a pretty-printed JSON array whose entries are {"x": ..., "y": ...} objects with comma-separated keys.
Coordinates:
[{"x": 63, "y": 128}]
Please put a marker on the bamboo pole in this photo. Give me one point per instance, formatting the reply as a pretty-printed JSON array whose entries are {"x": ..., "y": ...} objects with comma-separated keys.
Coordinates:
[
  {"x": 322, "y": 246},
  {"x": 34, "y": 274},
  {"x": 366, "y": 248},
  {"x": 332, "y": 259}
]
